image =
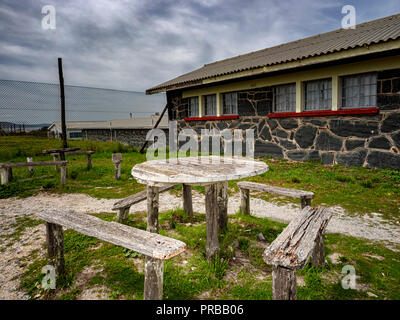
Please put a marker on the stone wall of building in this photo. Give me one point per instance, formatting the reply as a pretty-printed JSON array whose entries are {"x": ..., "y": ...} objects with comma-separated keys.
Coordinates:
[
  {"x": 351, "y": 140},
  {"x": 131, "y": 137}
]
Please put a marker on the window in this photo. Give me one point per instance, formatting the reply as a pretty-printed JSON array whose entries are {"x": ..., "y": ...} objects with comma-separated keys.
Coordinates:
[
  {"x": 75, "y": 134},
  {"x": 210, "y": 105},
  {"x": 359, "y": 91},
  {"x": 318, "y": 95},
  {"x": 229, "y": 103},
  {"x": 285, "y": 98},
  {"x": 194, "y": 107}
]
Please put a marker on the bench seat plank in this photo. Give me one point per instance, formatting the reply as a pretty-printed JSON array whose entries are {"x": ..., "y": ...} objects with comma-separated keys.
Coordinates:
[
  {"x": 135, "y": 198},
  {"x": 144, "y": 242},
  {"x": 31, "y": 164},
  {"x": 294, "y": 193},
  {"x": 294, "y": 246},
  {"x": 74, "y": 153}
]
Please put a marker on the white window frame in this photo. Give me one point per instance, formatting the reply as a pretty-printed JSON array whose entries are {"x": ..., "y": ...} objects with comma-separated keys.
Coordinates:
[
  {"x": 230, "y": 103},
  {"x": 365, "y": 90}
]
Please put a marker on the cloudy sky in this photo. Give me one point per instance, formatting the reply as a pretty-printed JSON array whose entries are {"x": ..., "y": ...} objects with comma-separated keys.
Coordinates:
[{"x": 134, "y": 45}]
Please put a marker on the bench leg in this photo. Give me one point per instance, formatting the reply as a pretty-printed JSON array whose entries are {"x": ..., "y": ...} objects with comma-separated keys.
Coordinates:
[
  {"x": 284, "y": 284},
  {"x": 222, "y": 194},
  {"x": 153, "y": 279},
  {"x": 122, "y": 215},
  {"x": 30, "y": 169},
  {"x": 212, "y": 212},
  {"x": 187, "y": 200},
  {"x": 245, "y": 201},
  {"x": 63, "y": 174},
  {"x": 152, "y": 208},
  {"x": 318, "y": 255},
  {"x": 89, "y": 162},
  {"x": 305, "y": 202},
  {"x": 55, "y": 246},
  {"x": 4, "y": 176},
  {"x": 117, "y": 174},
  {"x": 55, "y": 158}
]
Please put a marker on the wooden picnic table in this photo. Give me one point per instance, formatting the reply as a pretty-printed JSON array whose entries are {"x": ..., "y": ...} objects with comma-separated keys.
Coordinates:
[
  {"x": 60, "y": 151},
  {"x": 213, "y": 172}
]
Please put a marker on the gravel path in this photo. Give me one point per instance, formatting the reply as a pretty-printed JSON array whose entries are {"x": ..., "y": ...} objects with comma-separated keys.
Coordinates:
[{"x": 369, "y": 227}]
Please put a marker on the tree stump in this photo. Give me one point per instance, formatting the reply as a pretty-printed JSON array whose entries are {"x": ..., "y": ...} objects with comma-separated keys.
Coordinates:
[
  {"x": 284, "y": 286},
  {"x": 222, "y": 196},
  {"x": 212, "y": 213},
  {"x": 245, "y": 201},
  {"x": 55, "y": 246},
  {"x": 187, "y": 200}
]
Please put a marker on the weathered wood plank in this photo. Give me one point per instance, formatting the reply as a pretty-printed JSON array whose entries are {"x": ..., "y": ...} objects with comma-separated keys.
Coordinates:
[
  {"x": 212, "y": 245},
  {"x": 149, "y": 244},
  {"x": 31, "y": 164},
  {"x": 64, "y": 173},
  {"x": 222, "y": 200},
  {"x": 187, "y": 200},
  {"x": 135, "y": 198},
  {"x": 74, "y": 153},
  {"x": 36, "y": 178},
  {"x": 294, "y": 193},
  {"x": 294, "y": 246},
  {"x": 4, "y": 175}
]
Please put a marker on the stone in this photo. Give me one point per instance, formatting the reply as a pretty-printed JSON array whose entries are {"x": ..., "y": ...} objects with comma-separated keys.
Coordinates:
[
  {"x": 244, "y": 126},
  {"x": 265, "y": 134},
  {"x": 391, "y": 123},
  {"x": 396, "y": 139},
  {"x": 267, "y": 148},
  {"x": 380, "y": 143},
  {"x": 305, "y": 136},
  {"x": 355, "y": 159},
  {"x": 356, "y": 128},
  {"x": 287, "y": 144},
  {"x": 327, "y": 157},
  {"x": 272, "y": 124},
  {"x": 303, "y": 155},
  {"x": 352, "y": 144},
  {"x": 288, "y": 123},
  {"x": 260, "y": 126},
  {"x": 328, "y": 142},
  {"x": 383, "y": 160},
  {"x": 280, "y": 133}
]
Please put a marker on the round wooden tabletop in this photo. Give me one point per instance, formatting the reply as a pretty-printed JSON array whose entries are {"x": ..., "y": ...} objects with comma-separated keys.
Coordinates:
[{"x": 196, "y": 170}]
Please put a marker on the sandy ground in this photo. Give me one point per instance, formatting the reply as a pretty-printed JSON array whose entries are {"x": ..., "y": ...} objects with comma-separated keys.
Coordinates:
[{"x": 372, "y": 227}]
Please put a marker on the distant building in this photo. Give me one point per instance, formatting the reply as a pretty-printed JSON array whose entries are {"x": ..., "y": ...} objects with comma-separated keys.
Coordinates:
[{"x": 127, "y": 131}]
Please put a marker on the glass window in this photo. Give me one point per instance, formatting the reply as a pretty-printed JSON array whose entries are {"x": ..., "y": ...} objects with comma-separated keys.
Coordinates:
[
  {"x": 194, "y": 107},
  {"x": 318, "y": 95},
  {"x": 285, "y": 98},
  {"x": 75, "y": 134},
  {"x": 210, "y": 105},
  {"x": 359, "y": 91},
  {"x": 229, "y": 103}
]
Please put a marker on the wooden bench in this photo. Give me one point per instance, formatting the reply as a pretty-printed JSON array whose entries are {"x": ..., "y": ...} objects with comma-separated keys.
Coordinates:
[
  {"x": 245, "y": 187},
  {"x": 124, "y": 205},
  {"x": 301, "y": 239},
  {"x": 6, "y": 169},
  {"x": 76, "y": 153},
  {"x": 155, "y": 247}
]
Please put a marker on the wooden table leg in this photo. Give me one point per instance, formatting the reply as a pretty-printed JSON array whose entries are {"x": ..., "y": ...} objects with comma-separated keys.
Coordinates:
[
  {"x": 187, "y": 200},
  {"x": 222, "y": 194},
  {"x": 212, "y": 213},
  {"x": 152, "y": 208}
]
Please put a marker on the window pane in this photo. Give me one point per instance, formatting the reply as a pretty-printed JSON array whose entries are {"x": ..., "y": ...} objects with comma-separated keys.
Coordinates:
[
  {"x": 229, "y": 103},
  {"x": 194, "y": 107},
  {"x": 210, "y": 105},
  {"x": 285, "y": 98},
  {"x": 359, "y": 91},
  {"x": 318, "y": 95}
]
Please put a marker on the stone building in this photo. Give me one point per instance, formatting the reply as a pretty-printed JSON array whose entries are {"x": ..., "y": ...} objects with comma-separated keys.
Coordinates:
[
  {"x": 130, "y": 131},
  {"x": 333, "y": 97}
]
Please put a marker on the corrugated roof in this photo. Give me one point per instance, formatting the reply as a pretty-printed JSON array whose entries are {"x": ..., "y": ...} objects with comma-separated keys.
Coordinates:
[
  {"x": 381, "y": 30},
  {"x": 131, "y": 123}
]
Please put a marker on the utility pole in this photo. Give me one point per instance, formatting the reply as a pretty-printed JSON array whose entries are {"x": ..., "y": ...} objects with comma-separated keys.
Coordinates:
[{"x": 62, "y": 95}]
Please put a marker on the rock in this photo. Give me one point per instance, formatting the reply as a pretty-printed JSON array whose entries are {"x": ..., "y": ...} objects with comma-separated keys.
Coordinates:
[
  {"x": 327, "y": 157},
  {"x": 391, "y": 123},
  {"x": 317, "y": 122},
  {"x": 380, "y": 143},
  {"x": 244, "y": 126},
  {"x": 356, "y": 128},
  {"x": 287, "y": 144},
  {"x": 305, "y": 136},
  {"x": 267, "y": 148},
  {"x": 352, "y": 144},
  {"x": 288, "y": 123},
  {"x": 260, "y": 126},
  {"x": 370, "y": 294},
  {"x": 260, "y": 237},
  {"x": 246, "y": 108},
  {"x": 396, "y": 139},
  {"x": 280, "y": 133},
  {"x": 272, "y": 124},
  {"x": 356, "y": 158},
  {"x": 327, "y": 142},
  {"x": 303, "y": 155},
  {"x": 383, "y": 160},
  {"x": 265, "y": 134}
]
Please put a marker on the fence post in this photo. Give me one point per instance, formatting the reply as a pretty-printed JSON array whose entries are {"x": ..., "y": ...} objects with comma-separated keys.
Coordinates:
[{"x": 117, "y": 159}]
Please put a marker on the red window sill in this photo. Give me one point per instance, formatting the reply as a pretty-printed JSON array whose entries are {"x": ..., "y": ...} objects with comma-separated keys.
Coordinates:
[
  {"x": 230, "y": 117},
  {"x": 341, "y": 112}
]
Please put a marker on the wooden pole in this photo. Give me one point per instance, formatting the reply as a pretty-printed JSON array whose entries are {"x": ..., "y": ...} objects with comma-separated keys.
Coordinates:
[
  {"x": 222, "y": 194},
  {"x": 62, "y": 96},
  {"x": 187, "y": 200},
  {"x": 155, "y": 126},
  {"x": 318, "y": 255},
  {"x": 284, "y": 285},
  {"x": 212, "y": 245},
  {"x": 245, "y": 201},
  {"x": 55, "y": 246}
]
